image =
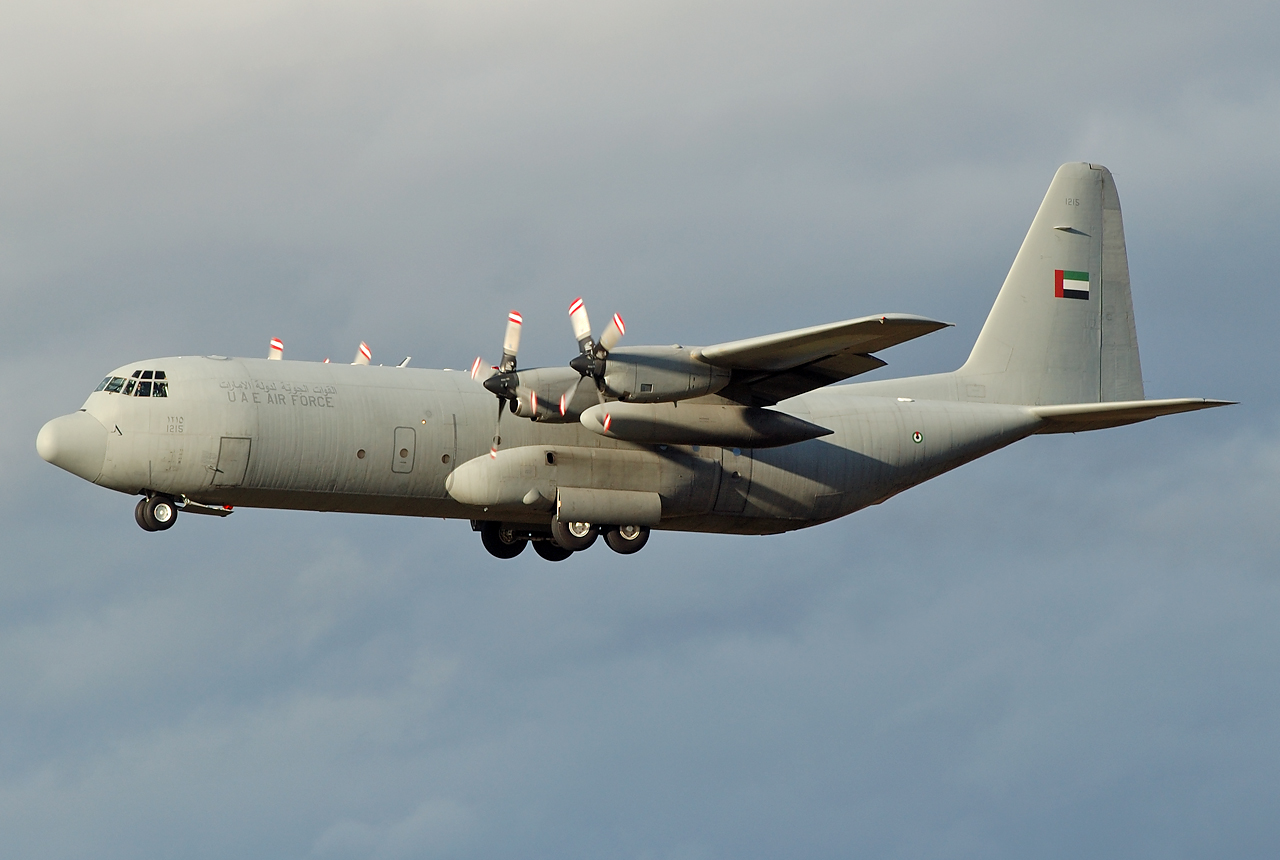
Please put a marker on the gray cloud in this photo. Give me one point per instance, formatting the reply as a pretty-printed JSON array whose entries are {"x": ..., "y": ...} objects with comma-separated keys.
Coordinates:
[{"x": 1065, "y": 649}]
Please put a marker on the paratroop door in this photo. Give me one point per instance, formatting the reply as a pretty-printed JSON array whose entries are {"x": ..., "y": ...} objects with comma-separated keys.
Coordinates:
[{"x": 233, "y": 460}]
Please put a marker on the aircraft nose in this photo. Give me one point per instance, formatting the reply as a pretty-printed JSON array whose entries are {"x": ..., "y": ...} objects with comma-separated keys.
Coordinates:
[{"x": 75, "y": 442}]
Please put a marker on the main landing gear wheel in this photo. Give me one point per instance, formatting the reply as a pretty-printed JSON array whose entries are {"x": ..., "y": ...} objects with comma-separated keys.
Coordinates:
[
  {"x": 627, "y": 539},
  {"x": 574, "y": 537},
  {"x": 501, "y": 542},
  {"x": 157, "y": 513},
  {"x": 551, "y": 551}
]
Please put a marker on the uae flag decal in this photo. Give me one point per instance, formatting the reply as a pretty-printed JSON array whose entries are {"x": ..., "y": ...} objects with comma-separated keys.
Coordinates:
[{"x": 1070, "y": 285}]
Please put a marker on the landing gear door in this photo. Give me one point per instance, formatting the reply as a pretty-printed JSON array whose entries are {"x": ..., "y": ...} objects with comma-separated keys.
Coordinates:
[
  {"x": 735, "y": 480},
  {"x": 233, "y": 460}
]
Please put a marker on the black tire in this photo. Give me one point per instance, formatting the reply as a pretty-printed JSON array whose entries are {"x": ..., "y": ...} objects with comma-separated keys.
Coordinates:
[
  {"x": 626, "y": 539},
  {"x": 140, "y": 514},
  {"x": 161, "y": 512},
  {"x": 500, "y": 542},
  {"x": 574, "y": 537},
  {"x": 551, "y": 551}
]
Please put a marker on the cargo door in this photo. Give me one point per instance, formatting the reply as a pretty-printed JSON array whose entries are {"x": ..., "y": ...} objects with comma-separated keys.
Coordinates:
[
  {"x": 735, "y": 480},
  {"x": 402, "y": 452},
  {"x": 233, "y": 460}
]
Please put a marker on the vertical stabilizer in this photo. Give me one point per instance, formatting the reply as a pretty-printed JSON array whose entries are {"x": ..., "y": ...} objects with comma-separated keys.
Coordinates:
[{"x": 1062, "y": 329}]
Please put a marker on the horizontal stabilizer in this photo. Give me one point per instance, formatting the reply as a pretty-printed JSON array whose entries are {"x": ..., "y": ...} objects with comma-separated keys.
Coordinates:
[{"x": 1078, "y": 417}]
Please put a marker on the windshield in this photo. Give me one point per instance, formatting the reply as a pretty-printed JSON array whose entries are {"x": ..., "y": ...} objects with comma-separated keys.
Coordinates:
[{"x": 143, "y": 383}]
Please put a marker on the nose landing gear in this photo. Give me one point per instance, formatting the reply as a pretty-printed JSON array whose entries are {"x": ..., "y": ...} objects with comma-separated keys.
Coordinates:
[{"x": 156, "y": 513}]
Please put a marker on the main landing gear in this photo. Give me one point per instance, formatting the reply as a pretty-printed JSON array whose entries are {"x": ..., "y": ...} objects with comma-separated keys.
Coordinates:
[{"x": 561, "y": 540}]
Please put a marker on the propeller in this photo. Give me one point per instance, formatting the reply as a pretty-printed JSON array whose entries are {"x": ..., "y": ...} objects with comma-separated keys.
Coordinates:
[
  {"x": 363, "y": 354},
  {"x": 592, "y": 354},
  {"x": 504, "y": 382},
  {"x": 276, "y": 352}
]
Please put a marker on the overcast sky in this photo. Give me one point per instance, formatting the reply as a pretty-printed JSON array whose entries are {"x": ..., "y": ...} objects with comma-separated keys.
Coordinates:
[{"x": 1067, "y": 649}]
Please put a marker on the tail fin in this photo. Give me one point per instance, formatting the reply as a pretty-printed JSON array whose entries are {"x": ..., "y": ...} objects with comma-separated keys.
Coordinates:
[{"x": 1062, "y": 330}]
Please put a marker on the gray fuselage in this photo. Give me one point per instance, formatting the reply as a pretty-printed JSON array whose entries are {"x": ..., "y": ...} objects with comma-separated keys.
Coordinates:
[{"x": 327, "y": 437}]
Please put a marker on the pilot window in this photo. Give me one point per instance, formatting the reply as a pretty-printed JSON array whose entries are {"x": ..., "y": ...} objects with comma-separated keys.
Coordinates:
[{"x": 143, "y": 383}]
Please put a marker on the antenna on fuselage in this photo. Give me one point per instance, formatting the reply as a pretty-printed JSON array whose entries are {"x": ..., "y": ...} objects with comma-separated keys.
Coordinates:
[
  {"x": 276, "y": 352},
  {"x": 363, "y": 355}
]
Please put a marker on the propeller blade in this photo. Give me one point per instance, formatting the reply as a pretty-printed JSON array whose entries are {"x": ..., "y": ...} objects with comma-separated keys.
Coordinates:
[
  {"x": 497, "y": 427},
  {"x": 581, "y": 325},
  {"x": 612, "y": 333},
  {"x": 511, "y": 342},
  {"x": 475, "y": 366},
  {"x": 276, "y": 352},
  {"x": 363, "y": 354}
]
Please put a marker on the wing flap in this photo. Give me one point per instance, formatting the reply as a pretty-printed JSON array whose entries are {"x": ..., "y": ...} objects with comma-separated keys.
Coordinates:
[
  {"x": 1078, "y": 417},
  {"x": 765, "y": 389}
]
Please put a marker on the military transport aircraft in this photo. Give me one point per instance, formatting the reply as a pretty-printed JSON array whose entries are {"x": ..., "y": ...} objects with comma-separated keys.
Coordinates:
[{"x": 743, "y": 437}]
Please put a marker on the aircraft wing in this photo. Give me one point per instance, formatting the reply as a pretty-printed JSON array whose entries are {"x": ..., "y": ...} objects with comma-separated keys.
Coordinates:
[{"x": 777, "y": 366}]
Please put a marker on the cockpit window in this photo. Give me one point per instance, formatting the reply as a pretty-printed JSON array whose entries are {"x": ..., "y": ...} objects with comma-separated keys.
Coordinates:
[{"x": 143, "y": 383}]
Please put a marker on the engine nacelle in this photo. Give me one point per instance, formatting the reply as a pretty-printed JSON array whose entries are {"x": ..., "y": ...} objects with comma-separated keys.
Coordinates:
[
  {"x": 660, "y": 374},
  {"x": 538, "y": 392}
]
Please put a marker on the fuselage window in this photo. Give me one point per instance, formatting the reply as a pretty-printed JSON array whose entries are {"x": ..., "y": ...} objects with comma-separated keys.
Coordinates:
[
  {"x": 103, "y": 384},
  {"x": 146, "y": 374},
  {"x": 128, "y": 386},
  {"x": 115, "y": 384},
  {"x": 160, "y": 388},
  {"x": 144, "y": 388},
  {"x": 137, "y": 373}
]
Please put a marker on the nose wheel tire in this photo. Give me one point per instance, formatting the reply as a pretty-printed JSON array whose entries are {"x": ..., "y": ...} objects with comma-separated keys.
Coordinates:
[
  {"x": 551, "y": 551},
  {"x": 627, "y": 539},
  {"x": 500, "y": 541},
  {"x": 157, "y": 513},
  {"x": 574, "y": 537},
  {"x": 139, "y": 514}
]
